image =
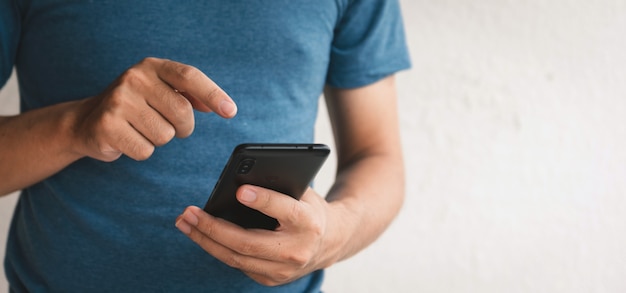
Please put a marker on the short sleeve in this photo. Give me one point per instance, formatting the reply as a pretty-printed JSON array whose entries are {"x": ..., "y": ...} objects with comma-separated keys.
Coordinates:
[
  {"x": 369, "y": 44},
  {"x": 9, "y": 37}
]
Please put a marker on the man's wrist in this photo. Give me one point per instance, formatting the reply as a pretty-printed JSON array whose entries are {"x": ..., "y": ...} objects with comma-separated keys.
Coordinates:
[{"x": 342, "y": 232}]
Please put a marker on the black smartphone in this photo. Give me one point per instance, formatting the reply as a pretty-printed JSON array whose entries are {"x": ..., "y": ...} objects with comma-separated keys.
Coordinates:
[{"x": 286, "y": 168}]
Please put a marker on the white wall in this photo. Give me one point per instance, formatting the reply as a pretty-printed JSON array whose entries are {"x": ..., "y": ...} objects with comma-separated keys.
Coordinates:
[
  {"x": 9, "y": 105},
  {"x": 514, "y": 132},
  {"x": 514, "y": 123}
]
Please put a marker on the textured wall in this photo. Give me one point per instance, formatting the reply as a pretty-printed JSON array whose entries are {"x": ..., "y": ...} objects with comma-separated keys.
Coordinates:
[
  {"x": 513, "y": 119},
  {"x": 8, "y": 106},
  {"x": 514, "y": 123}
]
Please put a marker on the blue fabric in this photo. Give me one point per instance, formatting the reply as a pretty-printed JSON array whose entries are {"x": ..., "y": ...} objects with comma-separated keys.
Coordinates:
[
  {"x": 109, "y": 227},
  {"x": 9, "y": 36}
]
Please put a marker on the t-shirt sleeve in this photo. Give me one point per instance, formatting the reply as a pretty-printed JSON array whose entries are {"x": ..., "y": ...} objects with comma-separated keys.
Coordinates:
[
  {"x": 9, "y": 36},
  {"x": 369, "y": 44}
]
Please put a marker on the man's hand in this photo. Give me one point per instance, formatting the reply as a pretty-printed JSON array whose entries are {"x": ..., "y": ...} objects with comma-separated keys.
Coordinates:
[
  {"x": 146, "y": 106},
  {"x": 300, "y": 245},
  {"x": 316, "y": 232}
]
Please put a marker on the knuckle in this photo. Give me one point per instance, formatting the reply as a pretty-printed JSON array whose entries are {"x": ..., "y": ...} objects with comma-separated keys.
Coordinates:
[
  {"x": 280, "y": 277},
  {"x": 187, "y": 72},
  {"x": 107, "y": 123},
  {"x": 164, "y": 136},
  {"x": 213, "y": 94},
  {"x": 251, "y": 248},
  {"x": 132, "y": 76},
  {"x": 185, "y": 131},
  {"x": 135, "y": 149},
  {"x": 265, "y": 199},
  {"x": 299, "y": 258},
  {"x": 182, "y": 107},
  {"x": 233, "y": 260},
  {"x": 106, "y": 126},
  {"x": 317, "y": 228},
  {"x": 246, "y": 248},
  {"x": 207, "y": 228},
  {"x": 143, "y": 153},
  {"x": 267, "y": 282},
  {"x": 148, "y": 60},
  {"x": 156, "y": 130},
  {"x": 264, "y": 278},
  {"x": 182, "y": 111},
  {"x": 295, "y": 213},
  {"x": 115, "y": 100}
]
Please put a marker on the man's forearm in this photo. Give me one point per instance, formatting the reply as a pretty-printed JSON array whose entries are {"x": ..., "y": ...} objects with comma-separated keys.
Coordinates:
[
  {"x": 366, "y": 197},
  {"x": 34, "y": 145},
  {"x": 369, "y": 188}
]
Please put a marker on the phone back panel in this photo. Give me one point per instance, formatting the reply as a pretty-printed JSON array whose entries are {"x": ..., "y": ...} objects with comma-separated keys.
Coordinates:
[{"x": 286, "y": 168}]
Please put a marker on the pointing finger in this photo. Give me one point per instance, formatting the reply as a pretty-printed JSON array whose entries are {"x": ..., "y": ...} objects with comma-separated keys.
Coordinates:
[{"x": 204, "y": 94}]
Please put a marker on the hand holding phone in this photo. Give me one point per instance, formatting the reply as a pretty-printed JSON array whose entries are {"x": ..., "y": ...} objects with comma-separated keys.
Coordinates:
[{"x": 285, "y": 168}]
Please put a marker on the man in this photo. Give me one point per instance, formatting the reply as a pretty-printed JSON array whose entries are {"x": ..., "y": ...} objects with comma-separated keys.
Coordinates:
[{"x": 104, "y": 169}]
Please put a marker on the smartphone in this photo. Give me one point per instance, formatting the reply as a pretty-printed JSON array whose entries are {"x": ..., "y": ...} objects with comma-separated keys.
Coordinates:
[{"x": 286, "y": 168}]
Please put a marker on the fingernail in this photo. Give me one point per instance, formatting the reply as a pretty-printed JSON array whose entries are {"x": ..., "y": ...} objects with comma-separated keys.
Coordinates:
[
  {"x": 183, "y": 226},
  {"x": 228, "y": 108},
  {"x": 248, "y": 195},
  {"x": 190, "y": 218}
]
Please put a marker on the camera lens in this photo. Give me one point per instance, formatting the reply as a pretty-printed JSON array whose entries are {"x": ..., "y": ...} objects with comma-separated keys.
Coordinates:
[{"x": 245, "y": 166}]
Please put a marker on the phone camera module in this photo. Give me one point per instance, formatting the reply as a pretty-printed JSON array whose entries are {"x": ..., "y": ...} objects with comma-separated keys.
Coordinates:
[{"x": 245, "y": 166}]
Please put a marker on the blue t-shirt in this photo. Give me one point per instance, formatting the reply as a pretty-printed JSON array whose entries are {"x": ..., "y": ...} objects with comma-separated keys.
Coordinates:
[{"x": 109, "y": 227}]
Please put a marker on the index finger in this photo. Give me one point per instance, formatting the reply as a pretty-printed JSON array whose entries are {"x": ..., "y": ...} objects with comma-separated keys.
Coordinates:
[{"x": 204, "y": 94}]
